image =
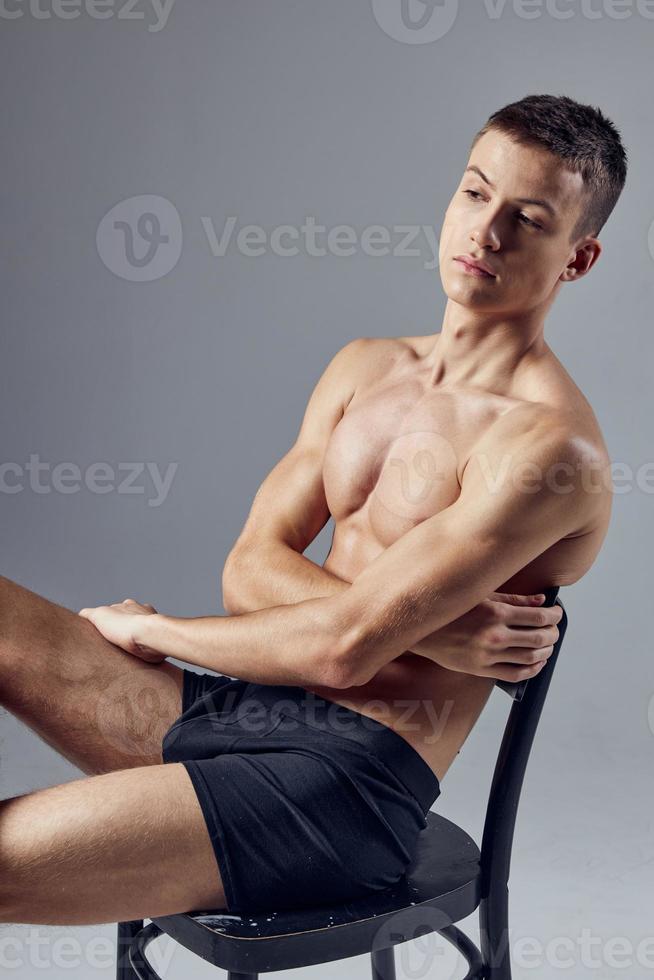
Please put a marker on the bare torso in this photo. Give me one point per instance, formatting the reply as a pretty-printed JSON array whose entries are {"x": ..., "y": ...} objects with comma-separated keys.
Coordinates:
[{"x": 395, "y": 459}]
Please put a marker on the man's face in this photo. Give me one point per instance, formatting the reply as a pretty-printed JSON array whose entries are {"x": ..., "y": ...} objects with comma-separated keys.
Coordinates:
[{"x": 526, "y": 245}]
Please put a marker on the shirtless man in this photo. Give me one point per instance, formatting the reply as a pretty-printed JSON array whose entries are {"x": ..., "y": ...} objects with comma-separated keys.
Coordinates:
[{"x": 464, "y": 471}]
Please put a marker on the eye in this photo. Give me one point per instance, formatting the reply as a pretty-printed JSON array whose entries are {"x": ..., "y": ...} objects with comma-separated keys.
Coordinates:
[
  {"x": 528, "y": 221},
  {"x": 475, "y": 195}
]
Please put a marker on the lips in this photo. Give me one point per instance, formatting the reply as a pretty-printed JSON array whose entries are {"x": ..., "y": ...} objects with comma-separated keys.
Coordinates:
[{"x": 481, "y": 267}]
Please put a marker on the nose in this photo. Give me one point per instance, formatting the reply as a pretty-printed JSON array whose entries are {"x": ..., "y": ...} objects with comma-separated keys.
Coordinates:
[{"x": 484, "y": 234}]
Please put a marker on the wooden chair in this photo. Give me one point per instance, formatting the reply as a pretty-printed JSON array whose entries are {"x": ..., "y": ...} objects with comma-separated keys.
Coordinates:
[{"x": 448, "y": 879}]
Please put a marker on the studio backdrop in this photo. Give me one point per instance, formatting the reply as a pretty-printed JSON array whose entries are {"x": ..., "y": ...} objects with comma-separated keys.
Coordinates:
[{"x": 202, "y": 201}]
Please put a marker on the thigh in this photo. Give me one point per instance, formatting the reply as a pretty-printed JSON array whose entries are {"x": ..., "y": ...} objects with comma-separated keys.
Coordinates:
[
  {"x": 98, "y": 706},
  {"x": 109, "y": 848}
]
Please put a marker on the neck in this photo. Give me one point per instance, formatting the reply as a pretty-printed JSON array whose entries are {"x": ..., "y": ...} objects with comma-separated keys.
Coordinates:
[{"x": 484, "y": 349}]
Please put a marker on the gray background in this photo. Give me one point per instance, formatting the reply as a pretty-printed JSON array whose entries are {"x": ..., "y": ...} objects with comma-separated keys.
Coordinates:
[{"x": 271, "y": 112}]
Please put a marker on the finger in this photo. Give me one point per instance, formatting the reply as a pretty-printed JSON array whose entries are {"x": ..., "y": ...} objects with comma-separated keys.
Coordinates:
[
  {"x": 534, "y": 617},
  {"x": 514, "y": 599},
  {"x": 507, "y": 672},
  {"x": 523, "y": 637},
  {"x": 520, "y": 657}
]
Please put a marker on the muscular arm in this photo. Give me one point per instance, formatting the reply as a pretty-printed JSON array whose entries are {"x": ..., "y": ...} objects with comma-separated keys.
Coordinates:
[
  {"x": 436, "y": 572},
  {"x": 512, "y": 508},
  {"x": 280, "y": 576},
  {"x": 272, "y": 574},
  {"x": 266, "y": 569},
  {"x": 279, "y": 628}
]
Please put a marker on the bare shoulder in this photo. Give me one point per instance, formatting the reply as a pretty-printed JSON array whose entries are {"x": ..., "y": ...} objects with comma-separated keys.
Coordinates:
[
  {"x": 555, "y": 450},
  {"x": 579, "y": 442},
  {"x": 370, "y": 359},
  {"x": 544, "y": 430},
  {"x": 381, "y": 350},
  {"x": 342, "y": 375}
]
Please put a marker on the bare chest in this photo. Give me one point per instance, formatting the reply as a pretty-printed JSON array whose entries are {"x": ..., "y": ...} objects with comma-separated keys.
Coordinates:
[{"x": 396, "y": 456}]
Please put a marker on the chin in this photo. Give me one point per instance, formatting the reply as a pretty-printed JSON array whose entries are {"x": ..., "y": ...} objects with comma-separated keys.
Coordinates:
[{"x": 469, "y": 292}]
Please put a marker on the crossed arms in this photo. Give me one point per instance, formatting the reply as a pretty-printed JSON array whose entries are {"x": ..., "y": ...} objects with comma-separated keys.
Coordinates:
[{"x": 510, "y": 510}]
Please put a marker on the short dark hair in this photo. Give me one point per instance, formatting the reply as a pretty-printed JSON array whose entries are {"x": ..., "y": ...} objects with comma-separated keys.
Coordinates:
[{"x": 582, "y": 137}]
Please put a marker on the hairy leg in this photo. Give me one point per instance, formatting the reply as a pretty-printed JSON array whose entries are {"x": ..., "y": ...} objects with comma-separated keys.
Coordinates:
[
  {"x": 98, "y": 706},
  {"x": 118, "y": 846}
]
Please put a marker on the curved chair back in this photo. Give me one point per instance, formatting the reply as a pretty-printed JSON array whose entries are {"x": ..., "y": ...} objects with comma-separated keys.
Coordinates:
[{"x": 499, "y": 825}]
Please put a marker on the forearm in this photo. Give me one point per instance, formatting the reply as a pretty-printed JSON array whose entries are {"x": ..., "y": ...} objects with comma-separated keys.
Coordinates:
[
  {"x": 276, "y": 575},
  {"x": 295, "y": 644}
]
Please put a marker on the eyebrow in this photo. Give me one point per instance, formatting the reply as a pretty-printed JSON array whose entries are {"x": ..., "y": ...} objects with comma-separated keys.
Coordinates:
[{"x": 522, "y": 200}]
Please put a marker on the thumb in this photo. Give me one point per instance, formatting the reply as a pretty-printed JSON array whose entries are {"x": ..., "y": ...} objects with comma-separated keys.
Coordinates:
[{"x": 514, "y": 599}]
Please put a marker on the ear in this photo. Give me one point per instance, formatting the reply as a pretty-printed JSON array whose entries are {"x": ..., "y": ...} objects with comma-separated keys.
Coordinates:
[{"x": 584, "y": 258}]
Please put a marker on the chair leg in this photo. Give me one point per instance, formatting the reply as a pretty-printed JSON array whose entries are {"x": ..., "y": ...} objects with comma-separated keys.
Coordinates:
[
  {"x": 383, "y": 964},
  {"x": 494, "y": 932},
  {"x": 465, "y": 945},
  {"x": 126, "y": 932}
]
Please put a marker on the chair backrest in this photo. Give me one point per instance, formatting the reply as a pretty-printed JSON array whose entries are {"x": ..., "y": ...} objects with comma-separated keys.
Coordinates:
[{"x": 528, "y": 700}]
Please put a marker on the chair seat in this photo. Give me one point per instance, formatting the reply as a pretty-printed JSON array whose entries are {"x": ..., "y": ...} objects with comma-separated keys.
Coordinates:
[{"x": 441, "y": 886}]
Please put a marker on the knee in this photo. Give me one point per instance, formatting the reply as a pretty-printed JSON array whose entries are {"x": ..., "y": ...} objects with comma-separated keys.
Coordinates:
[{"x": 9, "y": 863}]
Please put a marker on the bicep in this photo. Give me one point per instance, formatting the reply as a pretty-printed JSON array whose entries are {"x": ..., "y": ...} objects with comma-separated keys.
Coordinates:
[
  {"x": 290, "y": 505},
  {"x": 450, "y": 562}
]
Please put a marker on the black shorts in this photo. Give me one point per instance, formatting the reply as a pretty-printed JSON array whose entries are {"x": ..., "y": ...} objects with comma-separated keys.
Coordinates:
[{"x": 307, "y": 802}]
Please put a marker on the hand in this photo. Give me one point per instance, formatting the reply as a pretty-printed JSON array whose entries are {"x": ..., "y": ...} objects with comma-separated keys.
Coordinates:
[
  {"x": 120, "y": 623},
  {"x": 507, "y": 637}
]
